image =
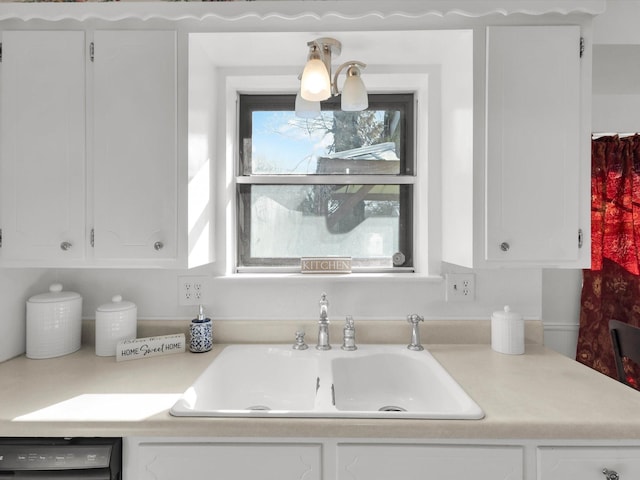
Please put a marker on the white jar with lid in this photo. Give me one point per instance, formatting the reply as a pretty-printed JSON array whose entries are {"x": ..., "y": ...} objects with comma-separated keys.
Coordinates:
[
  {"x": 115, "y": 321},
  {"x": 507, "y": 332},
  {"x": 54, "y": 323}
]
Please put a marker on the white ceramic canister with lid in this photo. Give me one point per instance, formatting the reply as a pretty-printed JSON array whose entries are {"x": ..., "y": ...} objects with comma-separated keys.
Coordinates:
[
  {"x": 115, "y": 321},
  {"x": 54, "y": 323},
  {"x": 507, "y": 332}
]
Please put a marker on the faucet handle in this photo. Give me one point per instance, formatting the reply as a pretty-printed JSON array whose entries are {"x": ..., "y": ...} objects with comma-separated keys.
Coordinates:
[
  {"x": 300, "y": 344},
  {"x": 414, "y": 319},
  {"x": 349, "y": 335},
  {"x": 349, "y": 323}
]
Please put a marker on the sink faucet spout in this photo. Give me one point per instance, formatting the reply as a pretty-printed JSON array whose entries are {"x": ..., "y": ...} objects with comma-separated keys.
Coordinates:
[
  {"x": 415, "y": 344},
  {"x": 323, "y": 324}
]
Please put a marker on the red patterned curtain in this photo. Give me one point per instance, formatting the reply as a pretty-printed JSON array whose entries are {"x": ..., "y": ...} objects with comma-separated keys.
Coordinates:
[{"x": 611, "y": 288}]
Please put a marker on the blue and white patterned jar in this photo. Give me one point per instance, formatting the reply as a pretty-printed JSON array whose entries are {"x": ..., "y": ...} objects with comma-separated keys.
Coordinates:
[{"x": 201, "y": 334}]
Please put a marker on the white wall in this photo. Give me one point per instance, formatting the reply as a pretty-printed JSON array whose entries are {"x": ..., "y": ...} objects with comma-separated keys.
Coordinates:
[
  {"x": 616, "y": 68},
  {"x": 550, "y": 294},
  {"x": 616, "y": 103}
]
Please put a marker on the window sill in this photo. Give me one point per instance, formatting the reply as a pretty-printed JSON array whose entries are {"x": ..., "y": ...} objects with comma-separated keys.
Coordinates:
[{"x": 340, "y": 277}]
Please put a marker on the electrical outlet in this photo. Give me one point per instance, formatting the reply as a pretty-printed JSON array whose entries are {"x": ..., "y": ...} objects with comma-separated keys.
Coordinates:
[
  {"x": 191, "y": 289},
  {"x": 461, "y": 287}
]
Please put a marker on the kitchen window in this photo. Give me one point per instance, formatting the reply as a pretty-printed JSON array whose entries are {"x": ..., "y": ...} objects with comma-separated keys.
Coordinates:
[{"x": 341, "y": 184}]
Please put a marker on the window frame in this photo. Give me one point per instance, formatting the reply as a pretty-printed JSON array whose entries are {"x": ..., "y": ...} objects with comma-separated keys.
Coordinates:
[{"x": 406, "y": 179}]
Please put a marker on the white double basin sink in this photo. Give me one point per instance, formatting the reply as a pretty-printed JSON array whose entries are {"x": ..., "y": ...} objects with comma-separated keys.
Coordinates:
[{"x": 374, "y": 381}]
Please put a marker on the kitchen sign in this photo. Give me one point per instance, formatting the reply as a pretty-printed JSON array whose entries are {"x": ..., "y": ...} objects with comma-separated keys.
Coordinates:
[
  {"x": 150, "y": 347},
  {"x": 325, "y": 264}
]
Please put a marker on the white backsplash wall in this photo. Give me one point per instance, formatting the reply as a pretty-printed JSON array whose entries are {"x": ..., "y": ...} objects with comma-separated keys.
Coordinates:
[
  {"x": 552, "y": 295},
  {"x": 155, "y": 292},
  {"x": 561, "y": 291},
  {"x": 16, "y": 286}
]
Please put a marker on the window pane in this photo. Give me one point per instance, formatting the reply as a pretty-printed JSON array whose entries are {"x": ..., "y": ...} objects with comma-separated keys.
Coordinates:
[
  {"x": 281, "y": 218},
  {"x": 277, "y": 142},
  {"x": 286, "y": 222}
]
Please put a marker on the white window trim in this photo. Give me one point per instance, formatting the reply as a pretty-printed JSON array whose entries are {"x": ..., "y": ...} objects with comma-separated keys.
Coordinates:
[{"x": 426, "y": 216}]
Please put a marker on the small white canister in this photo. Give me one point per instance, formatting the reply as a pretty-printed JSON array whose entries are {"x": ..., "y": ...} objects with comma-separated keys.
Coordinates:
[
  {"x": 54, "y": 323},
  {"x": 115, "y": 321},
  {"x": 507, "y": 332}
]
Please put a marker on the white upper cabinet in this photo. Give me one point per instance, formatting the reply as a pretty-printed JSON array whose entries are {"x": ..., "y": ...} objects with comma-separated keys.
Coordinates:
[
  {"x": 134, "y": 145},
  {"x": 89, "y": 168},
  {"x": 42, "y": 175},
  {"x": 533, "y": 144},
  {"x": 531, "y": 197},
  {"x": 93, "y": 145}
]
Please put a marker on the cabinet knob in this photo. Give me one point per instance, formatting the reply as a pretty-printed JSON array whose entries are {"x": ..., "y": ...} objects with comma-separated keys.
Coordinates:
[
  {"x": 158, "y": 246},
  {"x": 65, "y": 246},
  {"x": 610, "y": 474},
  {"x": 504, "y": 246}
]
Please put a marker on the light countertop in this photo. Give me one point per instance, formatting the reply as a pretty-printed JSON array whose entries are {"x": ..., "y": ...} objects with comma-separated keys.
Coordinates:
[{"x": 540, "y": 394}]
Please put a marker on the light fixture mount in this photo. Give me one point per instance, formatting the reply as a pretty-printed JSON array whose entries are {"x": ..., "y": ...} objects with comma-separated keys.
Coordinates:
[{"x": 327, "y": 45}]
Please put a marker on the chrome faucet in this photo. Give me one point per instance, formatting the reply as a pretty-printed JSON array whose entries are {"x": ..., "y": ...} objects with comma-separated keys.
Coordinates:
[
  {"x": 414, "y": 320},
  {"x": 323, "y": 324}
]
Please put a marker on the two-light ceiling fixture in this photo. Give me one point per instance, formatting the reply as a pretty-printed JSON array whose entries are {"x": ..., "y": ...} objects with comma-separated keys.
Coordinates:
[{"x": 316, "y": 82}]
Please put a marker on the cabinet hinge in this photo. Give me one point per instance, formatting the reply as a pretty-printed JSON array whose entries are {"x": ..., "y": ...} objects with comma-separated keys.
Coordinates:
[
  {"x": 581, "y": 46},
  {"x": 580, "y": 238},
  {"x": 92, "y": 237},
  {"x": 0, "y": 51},
  {"x": 91, "y": 52},
  {"x": 0, "y": 238}
]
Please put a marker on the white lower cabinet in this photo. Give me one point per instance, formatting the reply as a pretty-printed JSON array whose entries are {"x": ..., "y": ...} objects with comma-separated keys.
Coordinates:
[
  {"x": 316, "y": 459},
  {"x": 419, "y": 462},
  {"x": 588, "y": 463},
  {"x": 210, "y": 458}
]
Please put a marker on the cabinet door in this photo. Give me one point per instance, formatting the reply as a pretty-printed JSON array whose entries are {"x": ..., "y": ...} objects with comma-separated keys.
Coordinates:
[
  {"x": 42, "y": 147},
  {"x": 418, "y": 462},
  {"x": 588, "y": 463},
  {"x": 202, "y": 461},
  {"x": 533, "y": 144},
  {"x": 135, "y": 152}
]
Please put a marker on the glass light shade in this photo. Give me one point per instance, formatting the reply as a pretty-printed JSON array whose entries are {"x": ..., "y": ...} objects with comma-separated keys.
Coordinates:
[
  {"x": 305, "y": 108},
  {"x": 354, "y": 94},
  {"x": 315, "y": 84}
]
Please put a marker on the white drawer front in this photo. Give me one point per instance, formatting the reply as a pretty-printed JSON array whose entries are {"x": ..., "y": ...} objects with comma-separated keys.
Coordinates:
[
  {"x": 207, "y": 461},
  {"x": 420, "y": 462},
  {"x": 588, "y": 463}
]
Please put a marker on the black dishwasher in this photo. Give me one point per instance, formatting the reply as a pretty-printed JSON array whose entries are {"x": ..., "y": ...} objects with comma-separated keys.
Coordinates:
[{"x": 61, "y": 458}]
